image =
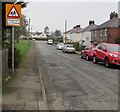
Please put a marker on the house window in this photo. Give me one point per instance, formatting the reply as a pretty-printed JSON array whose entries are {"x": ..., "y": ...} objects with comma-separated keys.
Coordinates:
[
  {"x": 95, "y": 33},
  {"x": 101, "y": 32},
  {"x": 92, "y": 33},
  {"x": 105, "y": 32}
]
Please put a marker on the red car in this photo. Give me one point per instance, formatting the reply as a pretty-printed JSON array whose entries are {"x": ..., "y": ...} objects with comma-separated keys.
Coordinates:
[
  {"x": 88, "y": 53},
  {"x": 107, "y": 53}
]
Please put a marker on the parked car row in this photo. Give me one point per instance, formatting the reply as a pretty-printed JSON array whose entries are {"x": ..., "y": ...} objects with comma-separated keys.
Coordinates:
[
  {"x": 107, "y": 53},
  {"x": 104, "y": 52}
]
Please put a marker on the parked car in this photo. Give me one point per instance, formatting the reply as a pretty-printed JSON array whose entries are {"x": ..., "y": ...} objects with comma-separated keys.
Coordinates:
[
  {"x": 88, "y": 53},
  {"x": 69, "y": 48},
  {"x": 50, "y": 41},
  {"x": 107, "y": 53},
  {"x": 60, "y": 46}
]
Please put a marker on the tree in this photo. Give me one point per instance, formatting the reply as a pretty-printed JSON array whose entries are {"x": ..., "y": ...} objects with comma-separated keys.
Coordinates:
[
  {"x": 57, "y": 33},
  {"x": 21, "y": 30}
]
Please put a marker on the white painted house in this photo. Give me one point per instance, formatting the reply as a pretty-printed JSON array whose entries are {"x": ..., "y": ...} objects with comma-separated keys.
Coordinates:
[
  {"x": 73, "y": 35},
  {"x": 86, "y": 33}
]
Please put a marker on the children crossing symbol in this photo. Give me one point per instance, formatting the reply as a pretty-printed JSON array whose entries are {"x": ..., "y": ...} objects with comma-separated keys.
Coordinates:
[{"x": 13, "y": 13}]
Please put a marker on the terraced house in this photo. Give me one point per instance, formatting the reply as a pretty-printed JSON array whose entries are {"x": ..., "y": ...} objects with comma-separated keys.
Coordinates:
[
  {"x": 73, "y": 35},
  {"x": 107, "y": 31},
  {"x": 86, "y": 33}
]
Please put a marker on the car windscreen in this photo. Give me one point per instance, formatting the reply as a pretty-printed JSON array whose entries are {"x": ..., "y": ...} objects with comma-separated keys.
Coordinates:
[
  {"x": 61, "y": 44},
  {"x": 113, "y": 48},
  {"x": 70, "y": 46}
]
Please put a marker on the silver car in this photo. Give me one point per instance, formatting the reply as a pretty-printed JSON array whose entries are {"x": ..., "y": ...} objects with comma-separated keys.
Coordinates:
[
  {"x": 69, "y": 48},
  {"x": 60, "y": 46}
]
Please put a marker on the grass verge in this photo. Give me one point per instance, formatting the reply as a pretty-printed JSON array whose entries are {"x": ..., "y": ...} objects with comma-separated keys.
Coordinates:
[{"x": 23, "y": 46}]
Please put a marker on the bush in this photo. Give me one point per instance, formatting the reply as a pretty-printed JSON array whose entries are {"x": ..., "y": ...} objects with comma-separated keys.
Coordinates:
[
  {"x": 76, "y": 45},
  {"x": 17, "y": 58},
  {"x": 82, "y": 47},
  {"x": 117, "y": 40}
]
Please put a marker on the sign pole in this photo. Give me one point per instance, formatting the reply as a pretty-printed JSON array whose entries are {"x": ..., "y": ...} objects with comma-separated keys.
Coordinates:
[
  {"x": 13, "y": 18},
  {"x": 13, "y": 50}
]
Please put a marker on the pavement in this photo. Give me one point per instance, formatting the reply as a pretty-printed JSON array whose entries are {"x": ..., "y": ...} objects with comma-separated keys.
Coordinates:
[{"x": 24, "y": 91}]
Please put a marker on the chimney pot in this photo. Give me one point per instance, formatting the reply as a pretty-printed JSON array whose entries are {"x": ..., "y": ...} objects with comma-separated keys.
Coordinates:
[
  {"x": 91, "y": 22},
  {"x": 113, "y": 14}
]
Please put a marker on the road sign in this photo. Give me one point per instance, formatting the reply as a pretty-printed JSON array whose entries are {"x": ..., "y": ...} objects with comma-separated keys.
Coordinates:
[{"x": 13, "y": 15}]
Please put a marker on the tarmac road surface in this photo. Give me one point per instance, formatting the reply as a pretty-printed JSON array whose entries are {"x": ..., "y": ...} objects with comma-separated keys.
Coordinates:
[{"x": 71, "y": 83}]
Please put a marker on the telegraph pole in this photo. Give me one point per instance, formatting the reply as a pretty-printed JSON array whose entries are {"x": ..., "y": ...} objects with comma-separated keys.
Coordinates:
[
  {"x": 65, "y": 30},
  {"x": 29, "y": 29}
]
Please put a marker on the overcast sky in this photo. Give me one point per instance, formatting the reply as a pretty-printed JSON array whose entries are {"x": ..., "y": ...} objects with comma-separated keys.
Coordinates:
[{"x": 53, "y": 14}]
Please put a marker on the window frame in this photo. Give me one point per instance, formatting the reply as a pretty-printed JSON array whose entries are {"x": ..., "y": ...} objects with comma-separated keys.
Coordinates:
[
  {"x": 101, "y": 32},
  {"x": 106, "y": 32}
]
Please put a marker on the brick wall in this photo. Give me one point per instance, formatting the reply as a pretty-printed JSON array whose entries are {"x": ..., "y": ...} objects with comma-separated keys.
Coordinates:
[
  {"x": 113, "y": 34},
  {"x": 98, "y": 37}
]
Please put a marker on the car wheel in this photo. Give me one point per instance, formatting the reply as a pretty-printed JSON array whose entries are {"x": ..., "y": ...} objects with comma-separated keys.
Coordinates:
[
  {"x": 87, "y": 58},
  {"x": 107, "y": 63},
  {"x": 94, "y": 60},
  {"x": 81, "y": 56}
]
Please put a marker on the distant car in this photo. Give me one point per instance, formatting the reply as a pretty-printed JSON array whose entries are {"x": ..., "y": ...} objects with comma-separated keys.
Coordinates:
[
  {"x": 88, "y": 53},
  {"x": 33, "y": 39},
  {"x": 50, "y": 41},
  {"x": 107, "y": 53},
  {"x": 60, "y": 46},
  {"x": 69, "y": 48}
]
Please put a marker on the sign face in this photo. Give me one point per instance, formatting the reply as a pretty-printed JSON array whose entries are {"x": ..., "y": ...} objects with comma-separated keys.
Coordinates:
[{"x": 13, "y": 15}]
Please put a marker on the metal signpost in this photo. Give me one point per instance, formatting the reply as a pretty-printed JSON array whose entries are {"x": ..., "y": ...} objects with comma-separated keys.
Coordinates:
[{"x": 13, "y": 18}]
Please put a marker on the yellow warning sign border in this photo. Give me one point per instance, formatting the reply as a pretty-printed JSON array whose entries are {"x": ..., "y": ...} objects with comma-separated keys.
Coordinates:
[
  {"x": 13, "y": 16},
  {"x": 18, "y": 9}
]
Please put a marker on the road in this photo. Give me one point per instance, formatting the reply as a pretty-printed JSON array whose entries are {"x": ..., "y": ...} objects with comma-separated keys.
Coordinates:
[{"x": 71, "y": 83}]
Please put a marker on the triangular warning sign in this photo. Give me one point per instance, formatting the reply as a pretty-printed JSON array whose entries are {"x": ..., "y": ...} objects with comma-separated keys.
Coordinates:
[{"x": 13, "y": 13}]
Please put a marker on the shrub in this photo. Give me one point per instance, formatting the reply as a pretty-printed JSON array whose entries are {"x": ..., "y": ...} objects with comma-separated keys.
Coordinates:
[
  {"x": 82, "y": 47},
  {"x": 76, "y": 45},
  {"x": 117, "y": 40}
]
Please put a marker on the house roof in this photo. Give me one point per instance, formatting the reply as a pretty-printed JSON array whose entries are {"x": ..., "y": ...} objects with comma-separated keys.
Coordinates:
[
  {"x": 68, "y": 31},
  {"x": 88, "y": 28},
  {"x": 76, "y": 30},
  {"x": 112, "y": 23}
]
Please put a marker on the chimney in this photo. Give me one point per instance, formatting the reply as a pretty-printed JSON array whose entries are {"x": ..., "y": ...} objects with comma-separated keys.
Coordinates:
[
  {"x": 91, "y": 22},
  {"x": 77, "y": 26},
  {"x": 113, "y": 14}
]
